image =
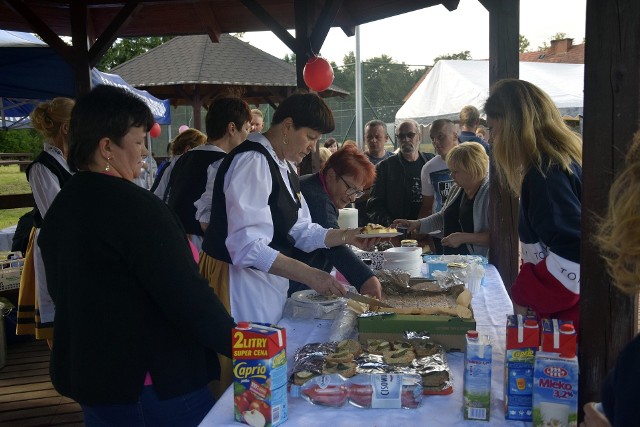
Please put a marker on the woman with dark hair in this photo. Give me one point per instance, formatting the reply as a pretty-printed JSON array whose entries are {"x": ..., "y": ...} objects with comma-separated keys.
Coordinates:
[
  {"x": 228, "y": 123},
  {"x": 259, "y": 216},
  {"x": 331, "y": 144},
  {"x": 47, "y": 174},
  {"x": 137, "y": 328},
  {"x": 540, "y": 160},
  {"x": 344, "y": 177}
]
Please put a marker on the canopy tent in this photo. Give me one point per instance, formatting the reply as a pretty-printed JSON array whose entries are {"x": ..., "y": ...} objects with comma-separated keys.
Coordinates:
[
  {"x": 450, "y": 85},
  {"x": 30, "y": 71}
]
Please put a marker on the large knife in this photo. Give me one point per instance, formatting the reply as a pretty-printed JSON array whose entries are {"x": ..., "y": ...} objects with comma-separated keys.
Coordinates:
[{"x": 367, "y": 300}]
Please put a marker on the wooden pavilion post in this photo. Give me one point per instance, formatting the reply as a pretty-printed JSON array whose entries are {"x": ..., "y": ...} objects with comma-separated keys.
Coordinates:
[
  {"x": 611, "y": 116},
  {"x": 504, "y": 24}
]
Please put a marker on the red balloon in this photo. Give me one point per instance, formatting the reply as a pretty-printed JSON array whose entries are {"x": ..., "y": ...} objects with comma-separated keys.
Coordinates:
[
  {"x": 318, "y": 74},
  {"x": 155, "y": 130}
]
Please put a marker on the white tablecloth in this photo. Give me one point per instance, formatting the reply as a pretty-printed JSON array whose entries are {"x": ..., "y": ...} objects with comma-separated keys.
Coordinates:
[{"x": 490, "y": 307}]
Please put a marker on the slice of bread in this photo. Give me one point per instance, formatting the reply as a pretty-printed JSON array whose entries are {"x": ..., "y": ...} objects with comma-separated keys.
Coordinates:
[
  {"x": 347, "y": 370},
  {"x": 302, "y": 377},
  {"x": 399, "y": 345},
  {"x": 352, "y": 346},
  {"x": 376, "y": 346},
  {"x": 399, "y": 357},
  {"x": 425, "y": 348},
  {"x": 338, "y": 357}
]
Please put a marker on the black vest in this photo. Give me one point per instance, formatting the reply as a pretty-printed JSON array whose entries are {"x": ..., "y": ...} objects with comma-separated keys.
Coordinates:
[
  {"x": 284, "y": 209},
  {"x": 57, "y": 169},
  {"x": 187, "y": 182}
]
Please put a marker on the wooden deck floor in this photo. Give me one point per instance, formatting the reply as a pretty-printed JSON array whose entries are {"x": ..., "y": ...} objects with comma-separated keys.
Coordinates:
[{"x": 27, "y": 397}]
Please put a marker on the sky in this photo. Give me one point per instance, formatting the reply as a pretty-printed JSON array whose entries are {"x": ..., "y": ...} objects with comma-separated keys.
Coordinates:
[{"x": 416, "y": 38}]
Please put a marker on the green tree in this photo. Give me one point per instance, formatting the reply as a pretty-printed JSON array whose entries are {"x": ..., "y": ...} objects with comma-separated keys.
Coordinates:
[
  {"x": 290, "y": 58},
  {"x": 385, "y": 83},
  {"x": 466, "y": 55},
  {"x": 524, "y": 43},
  {"x": 21, "y": 141},
  {"x": 128, "y": 48}
]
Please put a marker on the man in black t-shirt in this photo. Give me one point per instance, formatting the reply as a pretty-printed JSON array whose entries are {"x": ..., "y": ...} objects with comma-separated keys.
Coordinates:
[{"x": 396, "y": 192}]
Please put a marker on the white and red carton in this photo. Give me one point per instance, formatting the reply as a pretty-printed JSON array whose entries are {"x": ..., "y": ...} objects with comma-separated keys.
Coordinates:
[
  {"x": 559, "y": 336},
  {"x": 260, "y": 374}
]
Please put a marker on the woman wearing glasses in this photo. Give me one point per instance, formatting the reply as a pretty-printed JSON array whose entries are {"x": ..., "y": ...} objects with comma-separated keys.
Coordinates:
[
  {"x": 464, "y": 218},
  {"x": 340, "y": 182}
]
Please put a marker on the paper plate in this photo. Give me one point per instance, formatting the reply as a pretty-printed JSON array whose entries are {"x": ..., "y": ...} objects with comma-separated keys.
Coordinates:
[{"x": 310, "y": 296}]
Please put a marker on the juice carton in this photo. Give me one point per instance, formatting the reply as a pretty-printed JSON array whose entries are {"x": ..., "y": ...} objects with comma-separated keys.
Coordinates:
[
  {"x": 260, "y": 374},
  {"x": 477, "y": 377},
  {"x": 559, "y": 336},
  {"x": 555, "y": 390},
  {"x": 523, "y": 340}
]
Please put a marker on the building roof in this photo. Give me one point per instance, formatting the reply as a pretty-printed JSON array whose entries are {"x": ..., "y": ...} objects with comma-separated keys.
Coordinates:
[
  {"x": 561, "y": 51},
  {"x": 188, "y": 64}
]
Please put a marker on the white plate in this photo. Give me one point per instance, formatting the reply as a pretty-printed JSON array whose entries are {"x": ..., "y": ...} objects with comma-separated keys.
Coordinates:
[
  {"x": 374, "y": 235},
  {"x": 310, "y": 296}
]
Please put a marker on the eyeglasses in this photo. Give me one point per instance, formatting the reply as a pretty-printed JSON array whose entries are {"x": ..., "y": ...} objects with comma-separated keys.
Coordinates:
[
  {"x": 409, "y": 135},
  {"x": 350, "y": 190}
]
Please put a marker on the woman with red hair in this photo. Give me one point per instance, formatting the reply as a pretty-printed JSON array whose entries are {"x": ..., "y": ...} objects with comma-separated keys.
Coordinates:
[{"x": 343, "y": 178}]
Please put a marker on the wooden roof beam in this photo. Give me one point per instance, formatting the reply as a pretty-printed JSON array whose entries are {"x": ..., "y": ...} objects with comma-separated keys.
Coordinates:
[
  {"x": 323, "y": 24},
  {"x": 41, "y": 28},
  {"x": 270, "y": 22},
  {"x": 209, "y": 20},
  {"x": 451, "y": 5},
  {"x": 110, "y": 34}
]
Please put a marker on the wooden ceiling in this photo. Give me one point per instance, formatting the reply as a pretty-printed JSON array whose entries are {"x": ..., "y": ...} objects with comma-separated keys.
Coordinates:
[{"x": 212, "y": 17}]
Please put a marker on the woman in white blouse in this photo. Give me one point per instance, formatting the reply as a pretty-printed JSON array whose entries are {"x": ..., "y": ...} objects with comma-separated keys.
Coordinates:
[
  {"x": 46, "y": 175},
  {"x": 258, "y": 215}
]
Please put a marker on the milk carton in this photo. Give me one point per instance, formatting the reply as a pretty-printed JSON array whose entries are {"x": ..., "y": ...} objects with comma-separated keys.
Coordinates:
[
  {"x": 523, "y": 340},
  {"x": 555, "y": 390},
  {"x": 260, "y": 374},
  {"x": 477, "y": 377}
]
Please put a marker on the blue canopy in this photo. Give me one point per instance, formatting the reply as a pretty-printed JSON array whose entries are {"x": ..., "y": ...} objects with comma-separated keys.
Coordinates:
[{"x": 31, "y": 70}]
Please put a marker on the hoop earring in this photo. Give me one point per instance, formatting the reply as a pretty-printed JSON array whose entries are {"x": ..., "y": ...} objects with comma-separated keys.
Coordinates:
[{"x": 284, "y": 141}]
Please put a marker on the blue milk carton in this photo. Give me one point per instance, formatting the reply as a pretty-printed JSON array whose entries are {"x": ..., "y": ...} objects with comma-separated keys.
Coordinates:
[
  {"x": 523, "y": 340},
  {"x": 477, "y": 377},
  {"x": 555, "y": 390}
]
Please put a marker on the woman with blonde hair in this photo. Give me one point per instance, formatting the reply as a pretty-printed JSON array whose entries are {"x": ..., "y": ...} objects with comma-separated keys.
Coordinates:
[
  {"x": 619, "y": 240},
  {"x": 464, "y": 217},
  {"x": 46, "y": 175},
  {"x": 540, "y": 160}
]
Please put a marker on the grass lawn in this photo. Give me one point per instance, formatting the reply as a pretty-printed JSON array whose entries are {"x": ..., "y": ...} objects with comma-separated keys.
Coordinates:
[{"x": 12, "y": 181}]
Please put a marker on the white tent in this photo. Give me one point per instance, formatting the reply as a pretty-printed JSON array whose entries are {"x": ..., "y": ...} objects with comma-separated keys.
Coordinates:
[{"x": 453, "y": 84}]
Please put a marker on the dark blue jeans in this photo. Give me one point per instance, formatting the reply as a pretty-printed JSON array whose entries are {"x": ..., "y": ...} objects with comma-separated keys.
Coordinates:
[{"x": 182, "y": 411}]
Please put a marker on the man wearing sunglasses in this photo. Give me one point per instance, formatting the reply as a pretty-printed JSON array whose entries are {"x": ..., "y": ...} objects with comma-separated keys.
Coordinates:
[{"x": 396, "y": 192}]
